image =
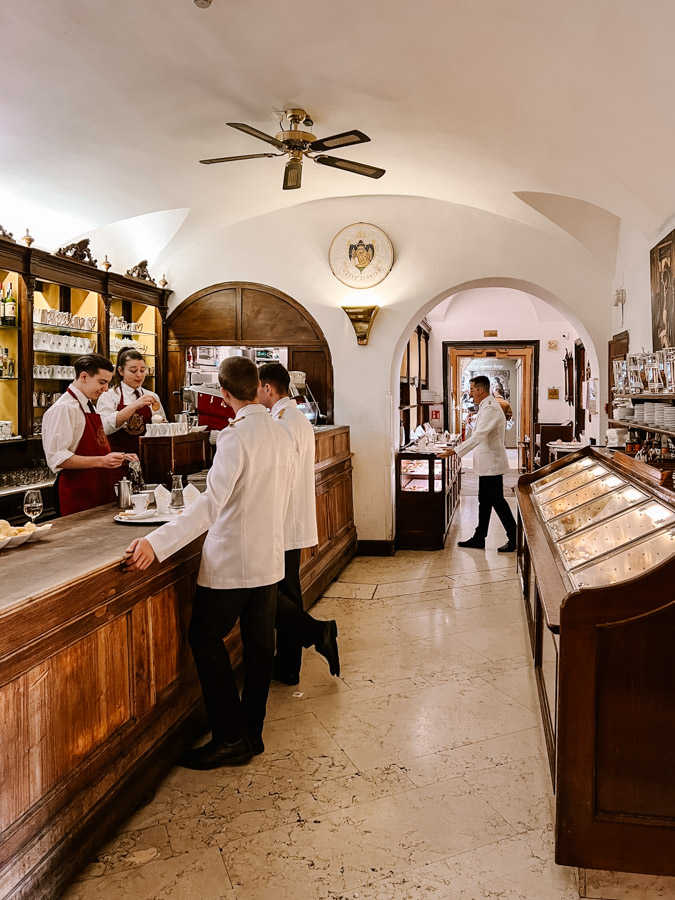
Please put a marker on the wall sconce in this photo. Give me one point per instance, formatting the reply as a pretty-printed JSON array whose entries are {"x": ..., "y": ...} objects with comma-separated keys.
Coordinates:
[{"x": 362, "y": 318}]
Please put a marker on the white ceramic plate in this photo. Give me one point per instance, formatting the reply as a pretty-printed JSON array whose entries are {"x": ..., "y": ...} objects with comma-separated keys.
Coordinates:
[{"x": 40, "y": 532}]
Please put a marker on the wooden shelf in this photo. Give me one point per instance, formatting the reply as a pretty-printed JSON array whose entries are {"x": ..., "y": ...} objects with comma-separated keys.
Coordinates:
[
  {"x": 647, "y": 395},
  {"x": 642, "y": 427}
]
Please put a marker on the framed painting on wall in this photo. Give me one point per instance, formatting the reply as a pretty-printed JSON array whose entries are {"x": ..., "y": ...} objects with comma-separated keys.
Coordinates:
[{"x": 662, "y": 263}]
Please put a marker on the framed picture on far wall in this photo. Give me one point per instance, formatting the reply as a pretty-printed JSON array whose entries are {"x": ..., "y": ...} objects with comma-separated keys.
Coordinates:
[{"x": 662, "y": 265}]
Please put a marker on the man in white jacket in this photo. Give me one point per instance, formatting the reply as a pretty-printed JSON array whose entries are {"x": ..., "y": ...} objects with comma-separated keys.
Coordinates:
[
  {"x": 243, "y": 512},
  {"x": 489, "y": 462},
  {"x": 295, "y": 627}
]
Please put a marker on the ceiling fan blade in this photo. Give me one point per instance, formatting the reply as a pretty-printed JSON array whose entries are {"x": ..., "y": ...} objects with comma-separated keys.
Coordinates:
[
  {"x": 249, "y": 129},
  {"x": 344, "y": 139},
  {"x": 349, "y": 166},
  {"x": 219, "y": 159},
  {"x": 292, "y": 174}
]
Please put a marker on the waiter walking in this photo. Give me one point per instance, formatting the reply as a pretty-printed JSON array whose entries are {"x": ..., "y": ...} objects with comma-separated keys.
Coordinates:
[
  {"x": 295, "y": 627},
  {"x": 489, "y": 462},
  {"x": 75, "y": 443}
]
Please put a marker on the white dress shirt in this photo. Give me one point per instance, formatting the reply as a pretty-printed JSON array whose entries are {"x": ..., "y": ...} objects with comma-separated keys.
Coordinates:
[
  {"x": 487, "y": 439},
  {"x": 301, "y": 528},
  {"x": 243, "y": 508},
  {"x": 63, "y": 427},
  {"x": 108, "y": 403}
]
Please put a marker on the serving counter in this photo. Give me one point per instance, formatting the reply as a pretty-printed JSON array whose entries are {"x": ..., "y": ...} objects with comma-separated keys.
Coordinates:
[
  {"x": 596, "y": 557},
  {"x": 98, "y": 693}
]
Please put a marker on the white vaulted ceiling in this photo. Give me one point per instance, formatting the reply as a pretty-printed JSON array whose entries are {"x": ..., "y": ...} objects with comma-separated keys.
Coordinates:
[{"x": 106, "y": 107}]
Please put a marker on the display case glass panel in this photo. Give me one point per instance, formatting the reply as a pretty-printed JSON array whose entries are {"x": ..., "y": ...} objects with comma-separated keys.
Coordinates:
[
  {"x": 570, "y": 484},
  {"x": 583, "y": 494},
  {"x": 627, "y": 527},
  {"x": 577, "y": 466},
  {"x": 627, "y": 563},
  {"x": 414, "y": 474},
  {"x": 597, "y": 510}
]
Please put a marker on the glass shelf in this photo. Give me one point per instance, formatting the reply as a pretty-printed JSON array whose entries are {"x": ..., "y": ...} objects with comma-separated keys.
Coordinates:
[
  {"x": 8, "y": 378},
  {"x": 132, "y": 333},
  {"x": 63, "y": 352},
  {"x": 44, "y": 326},
  {"x": 9, "y": 327}
]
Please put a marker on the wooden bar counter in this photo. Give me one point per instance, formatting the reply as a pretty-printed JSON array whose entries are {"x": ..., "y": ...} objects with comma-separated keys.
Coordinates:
[{"x": 98, "y": 693}]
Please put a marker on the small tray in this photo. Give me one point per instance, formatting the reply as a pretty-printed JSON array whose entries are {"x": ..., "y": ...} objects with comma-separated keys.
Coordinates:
[{"x": 149, "y": 517}]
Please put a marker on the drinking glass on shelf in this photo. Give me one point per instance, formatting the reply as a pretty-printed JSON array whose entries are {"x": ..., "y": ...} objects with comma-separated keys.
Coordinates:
[{"x": 32, "y": 504}]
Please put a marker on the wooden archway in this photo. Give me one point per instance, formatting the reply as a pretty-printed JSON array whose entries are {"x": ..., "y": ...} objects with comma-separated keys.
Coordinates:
[{"x": 242, "y": 313}]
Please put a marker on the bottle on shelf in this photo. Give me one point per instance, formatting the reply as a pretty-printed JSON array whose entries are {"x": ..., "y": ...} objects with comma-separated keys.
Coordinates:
[
  {"x": 9, "y": 309},
  {"x": 2, "y": 306}
]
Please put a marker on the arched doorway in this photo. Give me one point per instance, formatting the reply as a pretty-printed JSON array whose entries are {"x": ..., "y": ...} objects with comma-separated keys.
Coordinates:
[
  {"x": 241, "y": 313},
  {"x": 559, "y": 311}
]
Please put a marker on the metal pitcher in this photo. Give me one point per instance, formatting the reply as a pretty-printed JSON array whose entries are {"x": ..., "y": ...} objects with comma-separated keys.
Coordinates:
[{"x": 123, "y": 492}]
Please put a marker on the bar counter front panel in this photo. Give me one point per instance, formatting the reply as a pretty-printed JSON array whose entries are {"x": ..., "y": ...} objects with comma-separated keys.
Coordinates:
[
  {"x": 596, "y": 557},
  {"x": 98, "y": 693}
]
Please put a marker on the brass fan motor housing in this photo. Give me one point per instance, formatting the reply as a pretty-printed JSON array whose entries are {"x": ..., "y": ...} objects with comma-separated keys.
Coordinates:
[{"x": 296, "y": 139}]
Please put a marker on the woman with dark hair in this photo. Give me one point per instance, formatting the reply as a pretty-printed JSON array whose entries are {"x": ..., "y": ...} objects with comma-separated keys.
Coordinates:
[{"x": 128, "y": 407}]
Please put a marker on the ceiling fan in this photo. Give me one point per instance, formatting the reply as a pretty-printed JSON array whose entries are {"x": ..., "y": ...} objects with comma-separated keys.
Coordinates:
[{"x": 296, "y": 144}]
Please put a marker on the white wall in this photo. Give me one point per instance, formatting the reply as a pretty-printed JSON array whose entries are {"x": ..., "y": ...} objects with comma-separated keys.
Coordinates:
[
  {"x": 516, "y": 316},
  {"x": 439, "y": 248}
]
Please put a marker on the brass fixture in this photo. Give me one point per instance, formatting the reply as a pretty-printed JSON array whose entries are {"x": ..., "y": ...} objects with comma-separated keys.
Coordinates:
[
  {"x": 27, "y": 239},
  {"x": 106, "y": 262},
  {"x": 162, "y": 281},
  {"x": 362, "y": 318}
]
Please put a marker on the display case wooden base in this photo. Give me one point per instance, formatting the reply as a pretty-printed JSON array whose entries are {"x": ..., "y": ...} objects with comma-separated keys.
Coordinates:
[
  {"x": 596, "y": 558},
  {"x": 98, "y": 694},
  {"x": 428, "y": 487}
]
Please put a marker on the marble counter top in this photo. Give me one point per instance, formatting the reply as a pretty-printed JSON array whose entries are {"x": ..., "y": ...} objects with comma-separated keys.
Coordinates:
[{"x": 76, "y": 546}]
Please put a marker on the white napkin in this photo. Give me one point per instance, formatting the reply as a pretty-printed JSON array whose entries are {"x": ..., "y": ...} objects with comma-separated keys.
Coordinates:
[
  {"x": 162, "y": 497},
  {"x": 190, "y": 494}
]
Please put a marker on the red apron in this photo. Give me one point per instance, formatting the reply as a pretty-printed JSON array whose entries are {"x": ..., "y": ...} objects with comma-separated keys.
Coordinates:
[
  {"x": 81, "y": 489},
  {"x": 125, "y": 439}
]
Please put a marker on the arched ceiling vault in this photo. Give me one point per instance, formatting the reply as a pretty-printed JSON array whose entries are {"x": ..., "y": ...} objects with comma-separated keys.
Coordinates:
[{"x": 107, "y": 107}]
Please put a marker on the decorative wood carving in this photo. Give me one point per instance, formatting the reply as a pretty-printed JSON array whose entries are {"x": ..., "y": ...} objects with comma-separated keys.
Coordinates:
[
  {"x": 6, "y": 234},
  {"x": 140, "y": 270},
  {"x": 79, "y": 251}
]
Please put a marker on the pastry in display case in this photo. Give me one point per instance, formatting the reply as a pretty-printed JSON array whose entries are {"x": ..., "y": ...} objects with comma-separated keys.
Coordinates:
[{"x": 596, "y": 560}]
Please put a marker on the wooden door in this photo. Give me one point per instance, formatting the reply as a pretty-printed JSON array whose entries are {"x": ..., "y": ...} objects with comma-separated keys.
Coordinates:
[
  {"x": 617, "y": 348},
  {"x": 524, "y": 354}
]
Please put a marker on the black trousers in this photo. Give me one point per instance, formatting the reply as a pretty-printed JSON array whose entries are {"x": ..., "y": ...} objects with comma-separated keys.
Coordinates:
[
  {"x": 491, "y": 496},
  {"x": 214, "y": 614},
  {"x": 295, "y": 627}
]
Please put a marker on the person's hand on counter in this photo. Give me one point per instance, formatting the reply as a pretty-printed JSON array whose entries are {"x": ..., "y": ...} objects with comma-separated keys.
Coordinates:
[
  {"x": 139, "y": 554},
  {"x": 451, "y": 452}
]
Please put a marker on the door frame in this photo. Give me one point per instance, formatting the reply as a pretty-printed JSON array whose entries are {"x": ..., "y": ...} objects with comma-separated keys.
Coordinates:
[{"x": 528, "y": 418}]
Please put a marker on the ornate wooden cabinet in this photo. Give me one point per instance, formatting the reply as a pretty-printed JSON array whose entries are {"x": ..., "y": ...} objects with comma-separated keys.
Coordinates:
[{"x": 596, "y": 556}]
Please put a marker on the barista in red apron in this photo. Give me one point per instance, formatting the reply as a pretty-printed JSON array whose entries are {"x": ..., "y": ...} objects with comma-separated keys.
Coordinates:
[
  {"x": 127, "y": 408},
  {"x": 75, "y": 443}
]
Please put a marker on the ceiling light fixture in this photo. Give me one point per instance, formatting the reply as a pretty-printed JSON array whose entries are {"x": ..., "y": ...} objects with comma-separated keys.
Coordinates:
[{"x": 202, "y": 4}]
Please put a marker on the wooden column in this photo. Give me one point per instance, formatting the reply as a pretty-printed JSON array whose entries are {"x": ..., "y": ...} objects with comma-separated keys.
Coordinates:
[{"x": 25, "y": 361}]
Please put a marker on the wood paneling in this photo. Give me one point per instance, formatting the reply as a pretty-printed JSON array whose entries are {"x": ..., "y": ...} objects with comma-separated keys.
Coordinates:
[
  {"x": 319, "y": 375},
  {"x": 263, "y": 314},
  {"x": 206, "y": 317}
]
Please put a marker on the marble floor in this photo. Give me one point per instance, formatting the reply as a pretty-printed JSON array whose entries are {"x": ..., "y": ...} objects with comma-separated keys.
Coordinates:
[{"x": 419, "y": 773}]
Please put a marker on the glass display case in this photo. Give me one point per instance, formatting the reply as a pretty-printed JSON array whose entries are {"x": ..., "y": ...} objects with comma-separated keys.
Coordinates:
[
  {"x": 596, "y": 561},
  {"x": 427, "y": 493}
]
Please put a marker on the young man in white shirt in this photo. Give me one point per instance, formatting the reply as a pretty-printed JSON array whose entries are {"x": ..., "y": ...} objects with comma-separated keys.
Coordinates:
[
  {"x": 243, "y": 512},
  {"x": 295, "y": 627},
  {"x": 75, "y": 443},
  {"x": 489, "y": 462}
]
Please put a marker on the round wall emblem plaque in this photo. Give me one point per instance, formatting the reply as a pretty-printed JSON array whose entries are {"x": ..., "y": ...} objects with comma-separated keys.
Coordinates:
[{"x": 361, "y": 255}]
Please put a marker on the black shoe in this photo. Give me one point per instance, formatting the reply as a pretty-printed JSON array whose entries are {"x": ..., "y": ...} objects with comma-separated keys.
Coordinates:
[
  {"x": 327, "y": 646},
  {"x": 508, "y": 547},
  {"x": 256, "y": 745},
  {"x": 279, "y": 674},
  {"x": 474, "y": 543},
  {"x": 214, "y": 755}
]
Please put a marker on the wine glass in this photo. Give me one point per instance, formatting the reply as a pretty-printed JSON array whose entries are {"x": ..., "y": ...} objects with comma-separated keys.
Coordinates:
[{"x": 32, "y": 504}]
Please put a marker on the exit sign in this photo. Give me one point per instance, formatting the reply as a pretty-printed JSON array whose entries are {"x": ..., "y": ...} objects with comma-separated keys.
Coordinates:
[{"x": 491, "y": 333}]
